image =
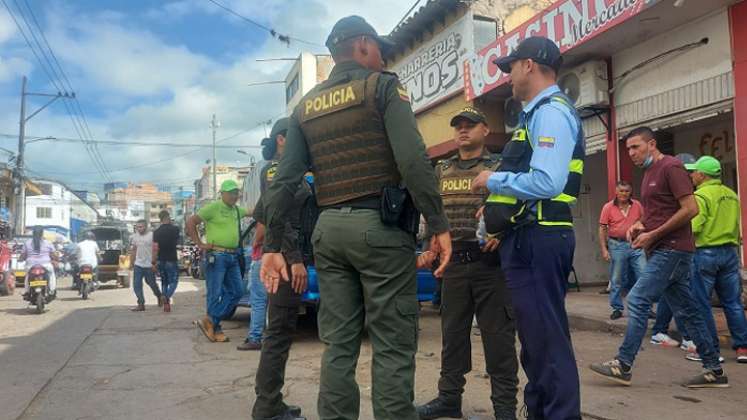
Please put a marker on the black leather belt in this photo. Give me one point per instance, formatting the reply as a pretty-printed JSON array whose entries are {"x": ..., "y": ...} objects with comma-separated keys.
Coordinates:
[{"x": 366, "y": 203}]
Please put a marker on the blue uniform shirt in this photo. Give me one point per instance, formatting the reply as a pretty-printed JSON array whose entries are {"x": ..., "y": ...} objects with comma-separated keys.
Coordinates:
[{"x": 553, "y": 131}]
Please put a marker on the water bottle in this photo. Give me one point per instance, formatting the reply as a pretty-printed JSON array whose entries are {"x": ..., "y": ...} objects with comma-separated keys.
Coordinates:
[{"x": 481, "y": 232}]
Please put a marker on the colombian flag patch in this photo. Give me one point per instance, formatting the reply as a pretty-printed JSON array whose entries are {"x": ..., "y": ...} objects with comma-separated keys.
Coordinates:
[
  {"x": 403, "y": 94},
  {"x": 548, "y": 142}
]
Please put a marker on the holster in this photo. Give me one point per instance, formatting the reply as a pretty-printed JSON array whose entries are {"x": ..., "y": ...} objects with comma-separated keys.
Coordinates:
[{"x": 398, "y": 209}]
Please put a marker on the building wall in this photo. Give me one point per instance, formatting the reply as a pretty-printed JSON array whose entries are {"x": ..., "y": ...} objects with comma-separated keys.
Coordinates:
[{"x": 58, "y": 202}]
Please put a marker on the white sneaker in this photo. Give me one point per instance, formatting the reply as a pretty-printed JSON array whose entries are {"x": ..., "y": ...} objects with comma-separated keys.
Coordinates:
[
  {"x": 665, "y": 340},
  {"x": 688, "y": 346},
  {"x": 693, "y": 356}
]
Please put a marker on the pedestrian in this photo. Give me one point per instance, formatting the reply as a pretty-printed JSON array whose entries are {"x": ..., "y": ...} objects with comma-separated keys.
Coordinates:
[
  {"x": 616, "y": 218},
  {"x": 716, "y": 262},
  {"x": 665, "y": 234},
  {"x": 357, "y": 133},
  {"x": 282, "y": 309},
  {"x": 223, "y": 280},
  {"x": 660, "y": 331},
  {"x": 141, "y": 255},
  {"x": 530, "y": 205},
  {"x": 165, "y": 239},
  {"x": 272, "y": 150},
  {"x": 473, "y": 284}
]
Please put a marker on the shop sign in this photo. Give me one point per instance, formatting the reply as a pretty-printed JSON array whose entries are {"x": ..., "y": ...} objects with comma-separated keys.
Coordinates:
[
  {"x": 435, "y": 70},
  {"x": 568, "y": 23}
]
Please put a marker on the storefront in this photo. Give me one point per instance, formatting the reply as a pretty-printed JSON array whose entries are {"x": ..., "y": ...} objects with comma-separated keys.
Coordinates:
[{"x": 667, "y": 65}]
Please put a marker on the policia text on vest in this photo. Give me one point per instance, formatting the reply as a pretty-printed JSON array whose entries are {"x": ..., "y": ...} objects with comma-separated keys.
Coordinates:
[{"x": 354, "y": 132}]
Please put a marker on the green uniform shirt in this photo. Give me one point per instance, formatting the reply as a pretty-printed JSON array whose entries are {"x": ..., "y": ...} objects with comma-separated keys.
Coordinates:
[
  {"x": 221, "y": 224},
  {"x": 717, "y": 223},
  {"x": 404, "y": 138}
]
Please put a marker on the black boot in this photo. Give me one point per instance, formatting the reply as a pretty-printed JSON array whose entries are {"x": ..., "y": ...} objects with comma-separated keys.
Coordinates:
[{"x": 441, "y": 407}]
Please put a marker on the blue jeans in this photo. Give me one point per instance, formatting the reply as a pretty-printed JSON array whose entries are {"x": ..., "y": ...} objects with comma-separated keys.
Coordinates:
[
  {"x": 169, "y": 277},
  {"x": 664, "y": 316},
  {"x": 624, "y": 261},
  {"x": 224, "y": 286},
  {"x": 258, "y": 300},
  {"x": 718, "y": 268},
  {"x": 137, "y": 283},
  {"x": 667, "y": 274}
]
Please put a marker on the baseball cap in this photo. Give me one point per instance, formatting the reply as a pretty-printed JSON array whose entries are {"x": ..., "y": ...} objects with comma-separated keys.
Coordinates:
[
  {"x": 229, "y": 185},
  {"x": 537, "y": 48},
  {"x": 351, "y": 26},
  {"x": 709, "y": 165},
  {"x": 280, "y": 126},
  {"x": 471, "y": 114}
]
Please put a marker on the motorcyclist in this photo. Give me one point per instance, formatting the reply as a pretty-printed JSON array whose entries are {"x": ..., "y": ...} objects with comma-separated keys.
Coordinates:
[
  {"x": 89, "y": 254},
  {"x": 38, "y": 251}
]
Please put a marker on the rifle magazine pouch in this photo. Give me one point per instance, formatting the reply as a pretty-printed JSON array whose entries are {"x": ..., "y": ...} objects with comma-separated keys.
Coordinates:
[{"x": 393, "y": 201}]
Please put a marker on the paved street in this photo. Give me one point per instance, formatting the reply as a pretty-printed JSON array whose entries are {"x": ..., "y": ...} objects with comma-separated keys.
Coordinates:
[{"x": 97, "y": 360}]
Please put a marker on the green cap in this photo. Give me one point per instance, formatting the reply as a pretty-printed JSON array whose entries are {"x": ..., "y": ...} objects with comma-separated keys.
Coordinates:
[
  {"x": 229, "y": 185},
  {"x": 471, "y": 114},
  {"x": 709, "y": 165},
  {"x": 351, "y": 26},
  {"x": 280, "y": 126}
]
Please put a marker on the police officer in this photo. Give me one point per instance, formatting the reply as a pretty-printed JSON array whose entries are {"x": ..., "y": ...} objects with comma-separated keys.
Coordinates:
[
  {"x": 358, "y": 134},
  {"x": 282, "y": 312},
  {"x": 533, "y": 190},
  {"x": 473, "y": 284}
]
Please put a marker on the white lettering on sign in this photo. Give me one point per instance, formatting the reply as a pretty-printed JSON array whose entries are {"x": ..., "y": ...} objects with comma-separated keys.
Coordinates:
[
  {"x": 435, "y": 70},
  {"x": 568, "y": 23}
]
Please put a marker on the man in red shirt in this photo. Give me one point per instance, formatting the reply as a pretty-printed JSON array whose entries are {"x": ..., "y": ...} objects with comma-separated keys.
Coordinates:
[
  {"x": 617, "y": 217},
  {"x": 666, "y": 236}
]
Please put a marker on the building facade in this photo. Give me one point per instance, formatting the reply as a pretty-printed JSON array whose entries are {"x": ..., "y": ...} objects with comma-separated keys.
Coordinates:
[
  {"x": 308, "y": 70},
  {"x": 58, "y": 209}
]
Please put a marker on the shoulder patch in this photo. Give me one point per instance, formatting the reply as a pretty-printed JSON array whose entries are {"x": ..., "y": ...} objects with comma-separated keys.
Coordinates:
[
  {"x": 402, "y": 92},
  {"x": 548, "y": 142},
  {"x": 271, "y": 172},
  {"x": 333, "y": 99}
]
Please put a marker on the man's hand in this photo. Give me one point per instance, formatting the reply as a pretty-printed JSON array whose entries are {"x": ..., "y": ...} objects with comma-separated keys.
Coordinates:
[
  {"x": 441, "y": 244},
  {"x": 273, "y": 269},
  {"x": 205, "y": 247},
  {"x": 425, "y": 260},
  {"x": 491, "y": 245},
  {"x": 479, "y": 213},
  {"x": 153, "y": 268},
  {"x": 644, "y": 240},
  {"x": 634, "y": 230},
  {"x": 606, "y": 255},
  {"x": 300, "y": 278},
  {"x": 481, "y": 180}
]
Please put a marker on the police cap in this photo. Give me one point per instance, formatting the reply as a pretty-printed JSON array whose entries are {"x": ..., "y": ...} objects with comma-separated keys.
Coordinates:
[
  {"x": 539, "y": 49},
  {"x": 471, "y": 114},
  {"x": 352, "y": 26},
  {"x": 280, "y": 127}
]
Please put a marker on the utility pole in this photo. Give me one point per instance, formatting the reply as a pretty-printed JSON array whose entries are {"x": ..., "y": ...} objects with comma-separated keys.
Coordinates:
[
  {"x": 19, "y": 221},
  {"x": 214, "y": 125}
]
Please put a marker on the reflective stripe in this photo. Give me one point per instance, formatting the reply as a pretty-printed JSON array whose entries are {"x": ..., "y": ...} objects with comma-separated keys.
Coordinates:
[
  {"x": 562, "y": 101},
  {"x": 565, "y": 198},
  {"x": 577, "y": 166},
  {"x": 504, "y": 199},
  {"x": 546, "y": 223},
  {"x": 520, "y": 135}
]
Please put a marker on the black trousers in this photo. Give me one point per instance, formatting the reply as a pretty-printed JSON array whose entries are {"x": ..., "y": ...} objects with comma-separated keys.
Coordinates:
[
  {"x": 282, "y": 318},
  {"x": 478, "y": 289}
]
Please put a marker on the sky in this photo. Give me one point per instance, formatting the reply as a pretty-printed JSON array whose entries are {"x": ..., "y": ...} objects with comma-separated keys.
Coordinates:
[{"x": 156, "y": 71}]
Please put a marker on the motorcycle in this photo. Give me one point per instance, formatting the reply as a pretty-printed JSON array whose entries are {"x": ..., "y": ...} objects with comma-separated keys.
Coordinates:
[
  {"x": 86, "y": 276},
  {"x": 38, "y": 291},
  {"x": 7, "y": 279},
  {"x": 195, "y": 264}
]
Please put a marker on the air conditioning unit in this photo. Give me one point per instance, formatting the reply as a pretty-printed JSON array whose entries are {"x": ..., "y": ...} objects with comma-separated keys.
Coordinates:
[
  {"x": 511, "y": 111},
  {"x": 586, "y": 85}
]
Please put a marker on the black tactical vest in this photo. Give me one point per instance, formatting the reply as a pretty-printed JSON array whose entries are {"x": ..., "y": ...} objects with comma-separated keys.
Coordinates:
[
  {"x": 505, "y": 212},
  {"x": 349, "y": 149}
]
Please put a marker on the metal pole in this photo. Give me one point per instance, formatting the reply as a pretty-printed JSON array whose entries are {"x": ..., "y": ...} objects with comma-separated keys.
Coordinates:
[
  {"x": 20, "y": 216},
  {"x": 215, "y": 185}
]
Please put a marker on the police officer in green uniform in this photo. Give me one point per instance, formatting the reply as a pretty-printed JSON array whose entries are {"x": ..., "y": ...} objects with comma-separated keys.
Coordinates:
[
  {"x": 357, "y": 133},
  {"x": 473, "y": 285}
]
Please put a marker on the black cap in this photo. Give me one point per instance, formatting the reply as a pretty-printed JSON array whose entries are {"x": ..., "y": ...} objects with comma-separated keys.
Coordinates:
[
  {"x": 537, "y": 48},
  {"x": 352, "y": 26},
  {"x": 471, "y": 114},
  {"x": 280, "y": 126}
]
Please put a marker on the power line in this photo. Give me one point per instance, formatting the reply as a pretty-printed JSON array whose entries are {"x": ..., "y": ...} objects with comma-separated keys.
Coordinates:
[
  {"x": 134, "y": 142},
  {"x": 275, "y": 34}
]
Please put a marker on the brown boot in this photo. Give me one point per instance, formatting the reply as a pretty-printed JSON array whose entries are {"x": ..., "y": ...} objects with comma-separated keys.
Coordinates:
[
  {"x": 139, "y": 308},
  {"x": 206, "y": 326},
  {"x": 166, "y": 306},
  {"x": 220, "y": 337}
]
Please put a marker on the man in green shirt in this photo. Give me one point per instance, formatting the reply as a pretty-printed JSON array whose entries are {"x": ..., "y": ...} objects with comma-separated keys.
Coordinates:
[
  {"x": 716, "y": 263},
  {"x": 223, "y": 275},
  {"x": 356, "y": 132}
]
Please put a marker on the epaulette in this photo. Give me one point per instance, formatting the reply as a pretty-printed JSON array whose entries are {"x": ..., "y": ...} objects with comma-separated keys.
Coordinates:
[
  {"x": 446, "y": 163},
  {"x": 390, "y": 73}
]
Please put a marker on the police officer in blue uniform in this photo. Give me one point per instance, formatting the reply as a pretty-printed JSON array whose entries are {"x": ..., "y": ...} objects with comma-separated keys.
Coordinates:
[{"x": 530, "y": 210}]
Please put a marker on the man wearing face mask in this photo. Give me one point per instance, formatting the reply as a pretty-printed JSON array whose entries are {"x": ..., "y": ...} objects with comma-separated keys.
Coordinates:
[
  {"x": 665, "y": 233},
  {"x": 530, "y": 210}
]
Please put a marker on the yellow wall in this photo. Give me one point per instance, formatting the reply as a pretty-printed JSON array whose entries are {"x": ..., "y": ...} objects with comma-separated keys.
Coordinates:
[{"x": 434, "y": 123}]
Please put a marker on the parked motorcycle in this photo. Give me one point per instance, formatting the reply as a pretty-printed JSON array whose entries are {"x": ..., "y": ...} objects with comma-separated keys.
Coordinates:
[
  {"x": 38, "y": 291},
  {"x": 195, "y": 264},
  {"x": 87, "y": 279}
]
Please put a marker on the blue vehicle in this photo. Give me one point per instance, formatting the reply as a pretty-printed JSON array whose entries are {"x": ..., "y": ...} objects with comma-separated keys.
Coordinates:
[{"x": 310, "y": 298}]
